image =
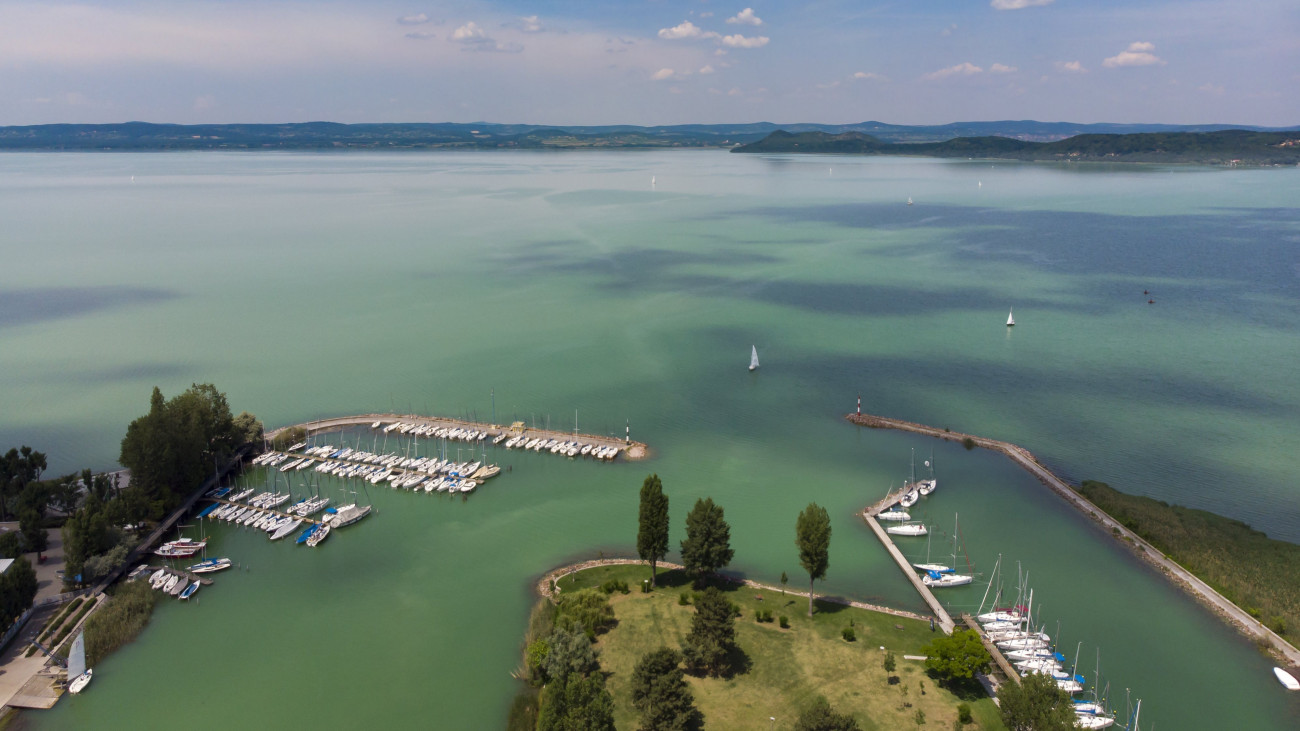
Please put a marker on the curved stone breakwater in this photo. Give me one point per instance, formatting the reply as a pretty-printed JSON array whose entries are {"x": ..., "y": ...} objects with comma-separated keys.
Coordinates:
[
  {"x": 630, "y": 450},
  {"x": 1199, "y": 590}
]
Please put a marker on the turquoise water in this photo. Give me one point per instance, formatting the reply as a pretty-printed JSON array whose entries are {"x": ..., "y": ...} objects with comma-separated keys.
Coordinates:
[{"x": 318, "y": 285}]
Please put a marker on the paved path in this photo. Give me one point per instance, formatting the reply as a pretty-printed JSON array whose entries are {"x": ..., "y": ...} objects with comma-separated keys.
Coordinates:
[
  {"x": 1219, "y": 604},
  {"x": 544, "y": 585},
  {"x": 15, "y": 668}
]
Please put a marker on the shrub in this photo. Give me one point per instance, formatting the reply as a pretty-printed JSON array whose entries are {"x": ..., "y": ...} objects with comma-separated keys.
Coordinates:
[
  {"x": 58, "y": 619},
  {"x": 920, "y": 717},
  {"x": 684, "y": 599},
  {"x": 589, "y": 608},
  {"x": 763, "y": 615},
  {"x": 613, "y": 585},
  {"x": 120, "y": 620},
  {"x": 963, "y": 713},
  {"x": 968, "y": 443},
  {"x": 785, "y": 622},
  {"x": 849, "y": 634}
]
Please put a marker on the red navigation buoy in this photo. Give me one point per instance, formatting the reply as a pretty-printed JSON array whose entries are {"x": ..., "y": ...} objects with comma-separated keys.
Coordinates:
[{"x": 1151, "y": 302}]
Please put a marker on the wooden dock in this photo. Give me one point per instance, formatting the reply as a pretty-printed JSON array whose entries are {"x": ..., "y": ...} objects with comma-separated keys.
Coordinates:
[
  {"x": 869, "y": 517},
  {"x": 998, "y": 658},
  {"x": 280, "y": 513}
]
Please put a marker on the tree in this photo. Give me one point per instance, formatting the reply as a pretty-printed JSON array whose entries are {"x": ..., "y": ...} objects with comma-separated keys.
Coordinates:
[
  {"x": 248, "y": 429},
  {"x": 652, "y": 531},
  {"x": 580, "y": 703},
  {"x": 712, "y": 638},
  {"x": 707, "y": 547},
  {"x": 17, "y": 589},
  {"x": 813, "y": 537},
  {"x": 18, "y": 468},
  {"x": 10, "y": 546},
  {"x": 890, "y": 663},
  {"x": 568, "y": 652},
  {"x": 1036, "y": 704},
  {"x": 588, "y": 608},
  {"x": 660, "y": 692},
  {"x": 175, "y": 446},
  {"x": 821, "y": 717},
  {"x": 32, "y": 526},
  {"x": 784, "y": 580},
  {"x": 85, "y": 534},
  {"x": 957, "y": 657}
]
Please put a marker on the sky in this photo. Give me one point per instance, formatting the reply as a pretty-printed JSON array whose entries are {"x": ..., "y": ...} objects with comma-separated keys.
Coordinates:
[{"x": 650, "y": 62}]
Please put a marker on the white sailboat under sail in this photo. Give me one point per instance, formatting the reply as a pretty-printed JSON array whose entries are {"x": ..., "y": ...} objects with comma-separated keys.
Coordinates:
[
  {"x": 753, "y": 358},
  {"x": 1011, "y": 317}
]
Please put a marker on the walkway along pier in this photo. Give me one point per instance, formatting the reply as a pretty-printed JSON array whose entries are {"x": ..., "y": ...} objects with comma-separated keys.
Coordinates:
[
  {"x": 1199, "y": 590},
  {"x": 869, "y": 517}
]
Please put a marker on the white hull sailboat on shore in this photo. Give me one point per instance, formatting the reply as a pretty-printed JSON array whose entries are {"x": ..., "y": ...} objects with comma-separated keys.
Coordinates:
[{"x": 78, "y": 674}]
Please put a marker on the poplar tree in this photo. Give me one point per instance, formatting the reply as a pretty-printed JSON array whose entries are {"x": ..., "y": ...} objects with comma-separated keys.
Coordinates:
[
  {"x": 813, "y": 537},
  {"x": 652, "y": 531}
]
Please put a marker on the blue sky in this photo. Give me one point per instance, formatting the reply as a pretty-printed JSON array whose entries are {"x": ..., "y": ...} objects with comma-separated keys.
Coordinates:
[{"x": 650, "y": 61}]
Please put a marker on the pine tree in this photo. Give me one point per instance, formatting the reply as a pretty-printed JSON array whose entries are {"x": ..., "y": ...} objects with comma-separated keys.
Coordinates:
[
  {"x": 712, "y": 638},
  {"x": 652, "y": 533},
  {"x": 813, "y": 537},
  {"x": 660, "y": 692},
  {"x": 707, "y": 547}
]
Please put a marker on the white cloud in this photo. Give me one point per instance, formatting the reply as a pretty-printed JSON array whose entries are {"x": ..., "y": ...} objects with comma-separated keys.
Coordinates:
[
  {"x": 413, "y": 19},
  {"x": 1072, "y": 67},
  {"x": 948, "y": 31},
  {"x": 739, "y": 41},
  {"x": 469, "y": 33},
  {"x": 998, "y": 68},
  {"x": 662, "y": 74},
  {"x": 1017, "y": 4},
  {"x": 745, "y": 17},
  {"x": 961, "y": 69},
  {"x": 1210, "y": 88},
  {"x": 474, "y": 38},
  {"x": 687, "y": 29},
  {"x": 733, "y": 92},
  {"x": 706, "y": 69},
  {"x": 869, "y": 75},
  {"x": 830, "y": 85},
  {"x": 1138, "y": 54},
  {"x": 530, "y": 24}
]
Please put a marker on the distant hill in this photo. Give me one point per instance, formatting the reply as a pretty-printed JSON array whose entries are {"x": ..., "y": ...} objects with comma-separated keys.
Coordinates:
[
  {"x": 1235, "y": 146},
  {"x": 145, "y": 136}
]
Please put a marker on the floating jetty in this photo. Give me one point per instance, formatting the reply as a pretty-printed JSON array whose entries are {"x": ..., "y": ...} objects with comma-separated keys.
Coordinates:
[
  {"x": 625, "y": 446},
  {"x": 1200, "y": 590}
]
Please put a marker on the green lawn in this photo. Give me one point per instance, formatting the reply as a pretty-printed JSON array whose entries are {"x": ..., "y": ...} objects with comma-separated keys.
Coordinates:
[{"x": 784, "y": 670}]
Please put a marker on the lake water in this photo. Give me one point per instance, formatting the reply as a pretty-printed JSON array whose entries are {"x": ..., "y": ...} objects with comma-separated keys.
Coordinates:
[{"x": 310, "y": 285}]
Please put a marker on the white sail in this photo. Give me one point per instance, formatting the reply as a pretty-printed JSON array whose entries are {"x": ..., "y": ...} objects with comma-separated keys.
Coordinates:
[
  {"x": 753, "y": 358},
  {"x": 1011, "y": 317},
  {"x": 77, "y": 657}
]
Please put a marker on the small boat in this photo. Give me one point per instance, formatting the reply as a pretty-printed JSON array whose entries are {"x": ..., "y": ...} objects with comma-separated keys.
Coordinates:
[
  {"x": 1011, "y": 318},
  {"x": 210, "y": 565},
  {"x": 909, "y": 200},
  {"x": 895, "y": 515},
  {"x": 321, "y": 533},
  {"x": 907, "y": 529},
  {"x": 189, "y": 590},
  {"x": 78, "y": 675},
  {"x": 170, "y": 583},
  {"x": 349, "y": 515},
  {"x": 1287, "y": 680},
  {"x": 302, "y": 537},
  {"x": 753, "y": 358},
  {"x": 939, "y": 580},
  {"x": 179, "y": 586}
]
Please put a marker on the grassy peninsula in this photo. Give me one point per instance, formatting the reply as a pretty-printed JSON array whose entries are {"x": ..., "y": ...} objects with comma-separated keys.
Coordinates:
[
  {"x": 786, "y": 664},
  {"x": 1257, "y": 573},
  {"x": 1245, "y": 147}
]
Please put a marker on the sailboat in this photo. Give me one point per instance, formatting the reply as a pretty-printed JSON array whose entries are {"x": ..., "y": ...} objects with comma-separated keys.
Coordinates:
[
  {"x": 937, "y": 579},
  {"x": 925, "y": 487},
  {"x": 78, "y": 675},
  {"x": 753, "y": 358},
  {"x": 910, "y": 493},
  {"x": 931, "y": 567},
  {"x": 909, "y": 200},
  {"x": 1011, "y": 317}
]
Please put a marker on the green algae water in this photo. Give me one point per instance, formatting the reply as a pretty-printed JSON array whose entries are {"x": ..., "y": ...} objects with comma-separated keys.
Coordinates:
[{"x": 551, "y": 287}]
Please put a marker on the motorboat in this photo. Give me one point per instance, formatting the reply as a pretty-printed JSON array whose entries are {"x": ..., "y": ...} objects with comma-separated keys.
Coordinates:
[
  {"x": 188, "y": 591},
  {"x": 937, "y": 580}
]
